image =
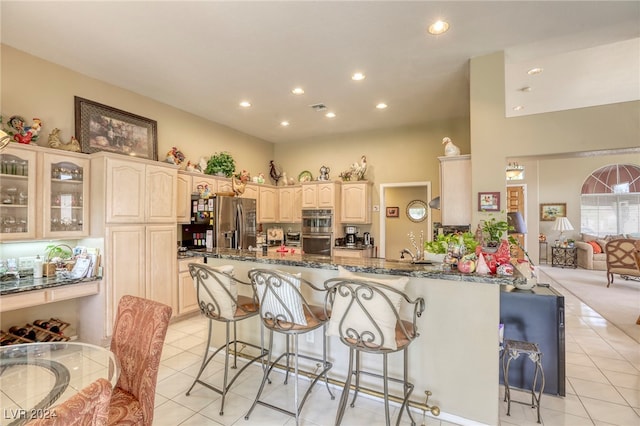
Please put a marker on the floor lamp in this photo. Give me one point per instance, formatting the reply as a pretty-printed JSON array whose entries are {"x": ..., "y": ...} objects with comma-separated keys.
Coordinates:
[{"x": 517, "y": 226}]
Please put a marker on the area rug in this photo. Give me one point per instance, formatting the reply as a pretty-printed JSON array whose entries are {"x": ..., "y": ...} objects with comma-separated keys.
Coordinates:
[{"x": 618, "y": 304}]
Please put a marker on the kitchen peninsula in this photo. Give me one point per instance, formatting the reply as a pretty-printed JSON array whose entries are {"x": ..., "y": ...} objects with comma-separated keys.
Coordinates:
[{"x": 456, "y": 355}]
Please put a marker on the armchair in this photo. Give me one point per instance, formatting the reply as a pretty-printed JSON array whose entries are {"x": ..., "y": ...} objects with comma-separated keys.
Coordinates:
[{"x": 623, "y": 258}]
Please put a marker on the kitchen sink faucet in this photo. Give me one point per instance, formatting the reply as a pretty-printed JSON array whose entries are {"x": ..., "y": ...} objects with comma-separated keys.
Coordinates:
[{"x": 418, "y": 246}]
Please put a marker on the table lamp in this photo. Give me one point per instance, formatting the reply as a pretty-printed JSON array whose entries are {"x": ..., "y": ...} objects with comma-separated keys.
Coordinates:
[
  {"x": 562, "y": 224},
  {"x": 517, "y": 226}
]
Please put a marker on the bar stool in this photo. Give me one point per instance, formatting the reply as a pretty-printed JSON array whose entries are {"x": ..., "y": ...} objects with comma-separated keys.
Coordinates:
[
  {"x": 365, "y": 315},
  {"x": 284, "y": 310},
  {"x": 512, "y": 350},
  {"x": 218, "y": 298}
]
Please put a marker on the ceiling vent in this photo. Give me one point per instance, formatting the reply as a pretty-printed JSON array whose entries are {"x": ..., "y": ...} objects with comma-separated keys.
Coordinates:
[{"x": 318, "y": 107}]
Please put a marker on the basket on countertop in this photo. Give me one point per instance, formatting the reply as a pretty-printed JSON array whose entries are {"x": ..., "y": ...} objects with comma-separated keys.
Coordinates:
[{"x": 49, "y": 268}]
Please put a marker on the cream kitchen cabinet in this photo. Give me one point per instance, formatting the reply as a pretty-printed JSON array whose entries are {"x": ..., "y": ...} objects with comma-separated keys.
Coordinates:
[
  {"x": 140, "y": 260},
  {"x": 267, "y": 204},
  {"x": 65, "y": 195},
  {"x": 224, "y": 184},
  {"x": 187, "y": 294},
  {"x": 203, "y": 183},
  {"x": 455, "y": 190},
  {"x": 321, "y": 195},
  {"x": 354, "y": 253},
  {"x": 251, "y": 191},
  {"x": 183, "y": 198},
  {"x": 18, "y": 194},
  {"x": 43, "y": 194},
  {"x": 127, "y": 190},
  {"x": 290, "y": 204},
  {"x": 355, "y": 202}
]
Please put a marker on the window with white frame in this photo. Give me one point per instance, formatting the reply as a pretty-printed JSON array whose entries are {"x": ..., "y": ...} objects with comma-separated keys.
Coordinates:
[{"x": 610, "y": 201}]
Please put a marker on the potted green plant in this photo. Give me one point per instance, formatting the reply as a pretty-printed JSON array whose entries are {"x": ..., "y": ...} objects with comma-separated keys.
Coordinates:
[
  {"x": 440, "y": 245},
  {"x": 221, "y": 164},
  {"x": 494, "y": 230}
]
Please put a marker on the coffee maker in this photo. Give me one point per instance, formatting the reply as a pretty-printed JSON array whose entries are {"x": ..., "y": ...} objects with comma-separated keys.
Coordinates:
[{"x": 350, "y": 235}]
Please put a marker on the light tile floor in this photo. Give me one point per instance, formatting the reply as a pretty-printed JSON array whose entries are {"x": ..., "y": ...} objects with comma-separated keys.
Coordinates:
[{"x": 603, "y": 384}]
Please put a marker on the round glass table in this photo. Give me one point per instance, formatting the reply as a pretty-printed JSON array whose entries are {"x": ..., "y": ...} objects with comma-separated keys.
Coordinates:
[{"x": 37, "y": 376}]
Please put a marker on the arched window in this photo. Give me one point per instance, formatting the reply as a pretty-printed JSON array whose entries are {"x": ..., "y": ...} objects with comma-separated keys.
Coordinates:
[{"x": 610, "y": 201}]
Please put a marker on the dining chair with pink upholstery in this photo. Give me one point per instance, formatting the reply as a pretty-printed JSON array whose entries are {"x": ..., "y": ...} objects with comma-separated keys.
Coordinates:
[
  {"x": 138, "y": 336},
  {"x": 89, "y": 407}
]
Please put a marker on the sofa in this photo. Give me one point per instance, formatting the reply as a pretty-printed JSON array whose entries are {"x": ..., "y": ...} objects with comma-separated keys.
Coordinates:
[{"x": 590, "y": 252}]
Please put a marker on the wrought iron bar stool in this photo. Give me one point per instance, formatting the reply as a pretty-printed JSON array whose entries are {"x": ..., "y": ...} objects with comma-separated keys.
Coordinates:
[
  {"x": 285, "y": 310},
  {"x": 365, "y": 315},
  {"x": 512, "y": 350},
  {"x": 218, "y": 298}
]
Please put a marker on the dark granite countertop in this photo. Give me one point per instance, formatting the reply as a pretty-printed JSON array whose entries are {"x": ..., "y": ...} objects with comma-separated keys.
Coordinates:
[
  {"x": 29, "y": 283},
  {"x": 366, "y": 265}
]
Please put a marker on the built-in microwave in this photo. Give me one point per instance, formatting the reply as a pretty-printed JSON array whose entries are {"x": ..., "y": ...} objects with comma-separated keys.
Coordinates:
[{"x": 317, "y": 221}]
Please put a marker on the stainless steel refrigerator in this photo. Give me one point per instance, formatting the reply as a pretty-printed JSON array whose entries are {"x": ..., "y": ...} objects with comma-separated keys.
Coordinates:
[{"x": 235, "y": 222}]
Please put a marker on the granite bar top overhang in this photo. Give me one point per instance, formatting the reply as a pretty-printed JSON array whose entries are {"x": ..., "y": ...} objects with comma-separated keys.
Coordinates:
[
  {"x": 365, "y": 265},
  {"x": 29, "y": 283}
]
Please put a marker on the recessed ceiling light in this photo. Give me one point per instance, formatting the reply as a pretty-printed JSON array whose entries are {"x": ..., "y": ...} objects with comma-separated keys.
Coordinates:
[
  {"x": 245, "y": 104},
  {"x": 381, "y": 105},
  {"x": 330, "y": 115},
  {"x": 438, "y": 27},
  {"x": 518, "y": 108},
  {"x": 358, "y": 76},
  {"x": 284, "y": 123},
  {"x": 534, "y": 71},
  {"x": 298, "y": 91}
]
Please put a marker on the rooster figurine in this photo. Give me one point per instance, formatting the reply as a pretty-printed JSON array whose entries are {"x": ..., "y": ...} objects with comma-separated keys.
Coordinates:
[
  {"x": 54, "y": 142},
  {"x": 449, "y": 148},
  {"x": 274, "y": 173}
]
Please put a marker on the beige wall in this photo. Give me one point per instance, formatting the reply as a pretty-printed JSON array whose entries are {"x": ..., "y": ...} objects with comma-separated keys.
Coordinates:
[
  {"x": 534, "y": 138},
  {"x": 32, "y": 87},
  {"x": 407, "y": 154},
  {"x": 398, "y": 228}
]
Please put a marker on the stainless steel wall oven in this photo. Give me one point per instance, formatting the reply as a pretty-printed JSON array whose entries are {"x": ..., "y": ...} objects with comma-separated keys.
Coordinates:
[{"x": 317, "y": 231}]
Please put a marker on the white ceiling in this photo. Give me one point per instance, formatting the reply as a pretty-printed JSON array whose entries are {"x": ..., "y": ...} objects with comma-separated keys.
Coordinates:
[{"x": 205, "y": 56}]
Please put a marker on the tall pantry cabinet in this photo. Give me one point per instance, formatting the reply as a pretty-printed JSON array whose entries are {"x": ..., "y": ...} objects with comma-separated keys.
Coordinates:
[{"x": 134, "y": 210}]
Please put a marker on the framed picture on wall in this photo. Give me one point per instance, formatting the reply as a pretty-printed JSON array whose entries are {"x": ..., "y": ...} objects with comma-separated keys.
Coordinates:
[
  {"x": 104, "y": 128},
  {"x": 549, "y": 211},
  {"x": 393, "y": 211},
  {"x": 488, "y": 201}
]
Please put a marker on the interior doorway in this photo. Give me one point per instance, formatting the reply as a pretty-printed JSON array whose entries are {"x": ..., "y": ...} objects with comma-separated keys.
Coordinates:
[
  {"x": 516, "y": 202},
  {"x": 394, "y": 229}
]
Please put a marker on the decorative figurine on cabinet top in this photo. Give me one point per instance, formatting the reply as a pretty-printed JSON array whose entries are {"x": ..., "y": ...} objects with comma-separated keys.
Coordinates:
[
  {"x": 239, "y": 182},
  {"x": 449, "y": 148},
  {"x": 22, "y": 133},
  {"x": 274, "y": 173},
  {"x": 54, "y": 142},
  {"x": 324, "y": 173},
  {"x": 175, "y": 156}
]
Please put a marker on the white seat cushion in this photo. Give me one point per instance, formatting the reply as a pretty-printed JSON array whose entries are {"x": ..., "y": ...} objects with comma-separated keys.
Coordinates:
[
  {"x": 291, "y": 306},
  {"x": 225, "y": 301},
  {"x": 383, "y": 315}
]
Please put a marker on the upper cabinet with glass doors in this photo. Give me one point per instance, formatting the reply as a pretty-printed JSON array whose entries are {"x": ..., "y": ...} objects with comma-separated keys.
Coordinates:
[
  {"x": 65, "y": 196},
  {"x": 17, "y": 194}
]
